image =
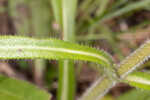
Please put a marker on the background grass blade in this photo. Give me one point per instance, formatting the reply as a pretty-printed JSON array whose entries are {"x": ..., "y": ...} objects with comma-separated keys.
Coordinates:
[
  {"x": 64, "y": 11},
  {"x": 21, "y": 20},
  {"x": 68, "y": 15},
  {"x": 66, "y": 80},
  {"x": 40, "y": 28},
  {"x": 103, "y": 5},
  {"x": 124, "y": 10},
  {"x": 57, "y": 10},
  {"x": 67, "y": 67},
  {"x": 12, "y": 89},
  {"x": 40, "y": 18}
]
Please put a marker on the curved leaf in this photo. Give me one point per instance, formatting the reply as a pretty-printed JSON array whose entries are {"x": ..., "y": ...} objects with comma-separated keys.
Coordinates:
[{"x": 24, "y": 48}]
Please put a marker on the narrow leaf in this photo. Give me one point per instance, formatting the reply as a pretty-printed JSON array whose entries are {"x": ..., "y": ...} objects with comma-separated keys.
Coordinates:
[
  {"x": 139, "y": 79},
  {"x": 57, "y": 10},
  {"x": 20, "y": 47}
]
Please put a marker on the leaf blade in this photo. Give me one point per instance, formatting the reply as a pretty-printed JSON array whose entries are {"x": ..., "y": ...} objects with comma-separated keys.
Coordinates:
[
  {"x": 139, "y": 79},
  {"x": 21, "y": 48},
  {"x": 35, "y": 46},
  {"x": 12, "y": 89}
]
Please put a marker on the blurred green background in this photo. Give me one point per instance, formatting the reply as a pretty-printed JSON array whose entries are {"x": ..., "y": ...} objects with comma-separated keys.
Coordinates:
[{"x": 117, "y": 26}]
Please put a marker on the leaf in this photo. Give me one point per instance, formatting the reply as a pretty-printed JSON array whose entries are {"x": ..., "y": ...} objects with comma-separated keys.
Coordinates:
[
  {"x": 139, "y": 79},
  {"x": 127, "y": 9},
  {"x": 12, "y": 89},
  {"x": 28, "y": 48},
  {"x": 135, "y": 95},
  {"x": 66, "y": 90}
]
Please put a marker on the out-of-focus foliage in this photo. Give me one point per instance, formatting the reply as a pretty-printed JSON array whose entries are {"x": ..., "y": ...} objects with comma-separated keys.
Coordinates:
[
  {"x": 118, "y": 26},
  {"x": 135, "y": 94},
  {"x": 12, "y": 89}
]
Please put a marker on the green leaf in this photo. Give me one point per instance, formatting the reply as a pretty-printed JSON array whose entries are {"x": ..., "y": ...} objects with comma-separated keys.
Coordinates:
[
  {"x": 135, "y": 95},
  {"x": 68, "y": 19},
  {"x": 67, "y": 83},
  {"x": 139, "y": 79},
  {"x": 24, "y": 48},
  {"x": 12, "y": 89},
  {"x": 127, "y": 9}
]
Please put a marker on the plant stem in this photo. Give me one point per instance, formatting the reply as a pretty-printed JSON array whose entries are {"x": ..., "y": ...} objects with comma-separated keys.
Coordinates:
[
  {"x": 136, "y": 59},
  {"x": 66, "y": 89}
]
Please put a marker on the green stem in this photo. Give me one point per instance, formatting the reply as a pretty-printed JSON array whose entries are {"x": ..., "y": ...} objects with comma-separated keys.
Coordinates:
[
  {"x": 67, "y": 70},
  {"x": 136, "y": 59},
  {"x": 67, "y": 80}
]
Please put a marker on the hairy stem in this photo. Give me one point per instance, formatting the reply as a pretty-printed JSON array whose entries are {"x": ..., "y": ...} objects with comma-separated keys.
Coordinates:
[{"x": 136, "y": 59}]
